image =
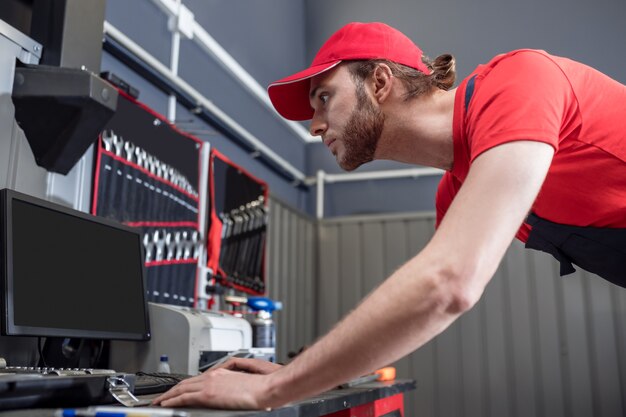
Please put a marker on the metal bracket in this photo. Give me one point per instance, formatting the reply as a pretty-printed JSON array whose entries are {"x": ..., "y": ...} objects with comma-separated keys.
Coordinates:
[
  {"x": 182, "y": 22},
  {"x": 119, "y": 388},
  {"x": 31, "y": 50}
]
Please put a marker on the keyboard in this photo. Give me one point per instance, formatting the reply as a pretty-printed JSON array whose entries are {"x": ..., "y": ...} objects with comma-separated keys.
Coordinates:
[
  {"x": 39, "y": 388},
  {"x": 21, "y": 370},
  {"x": 156, "y": 382},
  {"x": 35, "y": 387}
]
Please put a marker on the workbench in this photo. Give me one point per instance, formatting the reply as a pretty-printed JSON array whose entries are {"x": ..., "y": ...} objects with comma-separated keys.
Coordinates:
[{"x": 372, "y": 399}]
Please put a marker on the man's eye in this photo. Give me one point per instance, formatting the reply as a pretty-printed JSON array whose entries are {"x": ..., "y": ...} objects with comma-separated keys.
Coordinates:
[{"x": 324, "y": 98}]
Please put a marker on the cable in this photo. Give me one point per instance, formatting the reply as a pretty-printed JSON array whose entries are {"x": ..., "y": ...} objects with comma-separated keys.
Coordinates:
[
  {"x": 40, "y": 349},
  {"x": 94, "y": 364}
]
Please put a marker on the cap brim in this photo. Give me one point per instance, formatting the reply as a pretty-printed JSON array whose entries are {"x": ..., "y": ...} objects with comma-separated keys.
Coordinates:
[{"x": 290, "y": 96}]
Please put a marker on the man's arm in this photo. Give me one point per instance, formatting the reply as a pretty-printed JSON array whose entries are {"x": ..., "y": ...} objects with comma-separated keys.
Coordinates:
[{"x": 417, "y": 302}]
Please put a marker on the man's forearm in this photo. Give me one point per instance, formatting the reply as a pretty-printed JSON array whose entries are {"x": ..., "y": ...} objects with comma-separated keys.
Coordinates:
[{"x": 407, "y": 310}]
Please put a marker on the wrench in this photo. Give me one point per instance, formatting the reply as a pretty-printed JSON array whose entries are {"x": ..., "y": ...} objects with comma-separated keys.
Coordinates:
[
  {"x": 179, "y": 246},
  {"x": 129, "y": 147},
  {"x": 147, "y": 243},
  {"x": 171, "y": 246},
  {"x": 118, "y": 143},
  {"x": 138, "y": 152},
  {"x": 107, "y": 140},
  {"x": 159, "y": 242},
  {"x": 159, "y": 168},
  {"x": 195, "y": 239}
]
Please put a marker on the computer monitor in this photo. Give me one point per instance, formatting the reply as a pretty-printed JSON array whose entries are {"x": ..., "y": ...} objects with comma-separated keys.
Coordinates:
[{"x": 69, "y": 274}]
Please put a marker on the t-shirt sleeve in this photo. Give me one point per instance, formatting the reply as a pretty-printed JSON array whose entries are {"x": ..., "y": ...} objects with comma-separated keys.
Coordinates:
[
  {"x": 524, "y": 97},
  {"x": 446, "y": 191}
]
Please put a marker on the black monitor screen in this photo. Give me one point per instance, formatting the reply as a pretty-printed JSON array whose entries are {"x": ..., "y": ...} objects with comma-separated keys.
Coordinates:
[{"x": 71, "y": 274}]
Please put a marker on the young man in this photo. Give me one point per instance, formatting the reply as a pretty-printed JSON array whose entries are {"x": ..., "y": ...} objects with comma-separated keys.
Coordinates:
[{"x": 526, "y": 133}]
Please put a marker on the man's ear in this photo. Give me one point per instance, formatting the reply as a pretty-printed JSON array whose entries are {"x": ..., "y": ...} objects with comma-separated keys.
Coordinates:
[{"x": 382, "y": 80}]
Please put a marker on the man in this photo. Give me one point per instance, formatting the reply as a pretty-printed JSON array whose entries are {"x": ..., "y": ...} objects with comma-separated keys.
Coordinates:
[{"x": 526, "y": 133}]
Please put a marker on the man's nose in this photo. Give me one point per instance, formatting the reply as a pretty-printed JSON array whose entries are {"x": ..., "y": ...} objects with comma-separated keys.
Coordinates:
[{"x": 318, "y": 126}]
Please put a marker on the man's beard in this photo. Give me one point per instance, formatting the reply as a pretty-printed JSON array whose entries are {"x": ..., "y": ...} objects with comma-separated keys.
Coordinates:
[{"x": 361, "y": 133}]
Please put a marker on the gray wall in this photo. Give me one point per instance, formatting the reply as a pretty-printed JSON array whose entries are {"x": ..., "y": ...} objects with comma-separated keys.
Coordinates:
[
  {"x": 535, "y": 345},
  {"x": 474, "y": 31}
]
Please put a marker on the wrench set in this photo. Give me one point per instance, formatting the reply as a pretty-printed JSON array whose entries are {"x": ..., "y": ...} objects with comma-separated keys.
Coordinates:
[
  {"x": 165, "y": 245},
  {"x": 243, "y": 238},
  {"x": 134, "y": 154},
  {"x": 139, "y": 186},
  {"x": 172, "y": 259},
  {"x": 239, "y": 229},
  {"x": 147, "y": 176}
]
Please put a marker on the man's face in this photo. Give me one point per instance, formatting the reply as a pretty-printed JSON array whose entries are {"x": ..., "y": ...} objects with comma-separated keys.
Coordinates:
[{"x": 346, "y": 117}]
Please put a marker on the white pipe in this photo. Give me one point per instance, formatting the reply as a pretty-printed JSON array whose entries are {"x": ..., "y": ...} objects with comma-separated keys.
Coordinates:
[
  {"x": 381, "y": 175},
  {"x": 319, "y": 212},
  {"x": 171, "y": 105},
  {"x": 174, "y": 58},
  {"x": 205, "y": 153},
  {"x": 210, "y": 46},
  {"x": 201, "y": 100},
  {"x": 322, "y": 178}
]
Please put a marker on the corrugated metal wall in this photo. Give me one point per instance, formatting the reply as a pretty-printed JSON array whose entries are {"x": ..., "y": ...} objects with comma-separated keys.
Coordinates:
[
  {"x": 535, "y": 345},
  {"x": 291, "y": 271}
]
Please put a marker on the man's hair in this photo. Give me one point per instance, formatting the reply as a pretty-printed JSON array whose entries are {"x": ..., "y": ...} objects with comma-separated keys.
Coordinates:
[{"x": 416, "y": 82}]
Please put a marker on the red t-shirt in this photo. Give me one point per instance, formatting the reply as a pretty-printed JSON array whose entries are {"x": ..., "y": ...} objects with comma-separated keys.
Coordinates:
[{"x": 580, "y": 112}]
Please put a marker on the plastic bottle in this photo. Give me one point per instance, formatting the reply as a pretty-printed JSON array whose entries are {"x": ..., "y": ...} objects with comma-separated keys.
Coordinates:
[
  {"x": 164, "y": 364},
  {"x": 263, "y": 328}
]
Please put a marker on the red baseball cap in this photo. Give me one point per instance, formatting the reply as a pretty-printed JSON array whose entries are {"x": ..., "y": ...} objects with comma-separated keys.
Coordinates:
[{"x": 354, "y": 41}]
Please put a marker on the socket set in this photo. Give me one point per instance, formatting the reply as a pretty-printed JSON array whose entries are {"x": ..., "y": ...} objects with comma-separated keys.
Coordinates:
[
  {"x": 147, "y": 176},
  {"x": 237, "y": 234}
]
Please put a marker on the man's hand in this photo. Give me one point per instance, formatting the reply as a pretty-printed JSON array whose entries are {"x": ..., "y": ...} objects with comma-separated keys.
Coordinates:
[
  {"x": 237, "y": 384},
  {"x": 221, "y": 388},
  {"x": 251, "y": 366}
]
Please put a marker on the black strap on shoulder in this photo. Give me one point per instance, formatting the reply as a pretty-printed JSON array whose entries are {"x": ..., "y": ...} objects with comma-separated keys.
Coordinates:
[{"x": 469, "y": 91}]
